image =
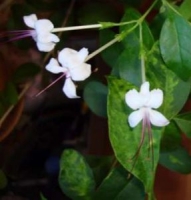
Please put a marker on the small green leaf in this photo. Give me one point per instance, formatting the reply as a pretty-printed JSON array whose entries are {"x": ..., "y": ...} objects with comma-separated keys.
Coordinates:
[
  {"x": 95, "y": 95},
  {"x": 111, "y": 54},
  {"x": 76, "y": 177},
  {"x": 184, "y": 123},
  {"x": 25, "y": 71},
  {"x": 175, "y": 42},
  {"x": 178, "y": 160},
  {"x": 117, "y": 186}
]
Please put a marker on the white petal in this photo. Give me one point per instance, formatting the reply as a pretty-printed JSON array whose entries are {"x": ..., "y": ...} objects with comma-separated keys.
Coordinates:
[
  {"x": 82, "y": 54},
  {"x": 30, "y": 20},
  {"x": 135, "y": 117},
  {"x": 157, "y": 118},
  {"x": 43, "y": 26},
  {"x": 45, "y": 47},
  {"x": 70, "y": 89},
  {"x": 145, "y": 88},
  {"x": 156, "y": 98},
  {"x": 81, "y": 72},
  {"x": 47, "y": 38},
  {"x": 54, "y": 67},
  {"x": 69, "y": 58},
  {"x": 134, "y": 99}
]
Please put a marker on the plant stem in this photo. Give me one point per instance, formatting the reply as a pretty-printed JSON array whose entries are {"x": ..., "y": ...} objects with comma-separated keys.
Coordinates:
[
  {"x": 71, "y": 28},
  {"x": 143, "y": 76},
  {"x": 116, "y": 39}
]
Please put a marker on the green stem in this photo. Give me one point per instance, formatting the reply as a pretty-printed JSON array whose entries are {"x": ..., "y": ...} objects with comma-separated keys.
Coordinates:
[
  {"x": 143, "y": 76},
  {"x": 76, "y": 28},
  {"x": 116, "y": 39},
  {"x": 170, "y": 6}
]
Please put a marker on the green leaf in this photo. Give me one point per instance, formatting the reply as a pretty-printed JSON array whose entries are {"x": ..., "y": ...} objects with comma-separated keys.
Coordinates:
[
  {"x": 111, "y": 54},
  {"x": 95, "y": 95},
  {"x": 184, "y": 123},
  {"x": 3, "y": 180},
  {"x": 163, "y": 78},
  {"x": 125, "y": 140},
  {"x": 25, "y": 71},
  {"x": 76, "y": 177},
  {"x": 178, "y": 160},
  {"x": 129, "y": 62},
  {"x": 175, "y": 42},
  {"x": 133, "y": 39},
  {"x": 171, "y": 136},
  {"x": 100, "y": 166},
  {"x": 185, "y": 9},
  {"x": 116, "y": 186}
]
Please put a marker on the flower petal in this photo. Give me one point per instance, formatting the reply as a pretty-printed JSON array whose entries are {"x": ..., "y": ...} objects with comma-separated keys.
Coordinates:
[
  {"x": 47, "y": 37},
  {"x": 156, "y": 98},
  {"x": 144, "y": 90},
  {"x": 54, "y": 67},
  {"x": 30, "y": 20},
  {"x": 82, "y": 54},
  {"x": 134, "y": 99},
  {"x": 157, "y": 118},
  {"x": 81, "y": 72},
  {"x": 43, "y": 26},
  {"x": 135, "y": 117},
  {"x": 70, "y": 89},
  {"x": 45, "y": 47},
  {"x": 69, "y": 58}
]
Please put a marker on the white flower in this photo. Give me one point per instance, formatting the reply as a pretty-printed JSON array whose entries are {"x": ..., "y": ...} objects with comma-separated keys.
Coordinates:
[
  {"x": 143, "y": 103},
  {"x": 73, "y": 66},
  {"x": 45, "y": 40}
]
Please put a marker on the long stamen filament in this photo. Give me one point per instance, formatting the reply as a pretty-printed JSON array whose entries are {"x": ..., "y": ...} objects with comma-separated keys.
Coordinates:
[{"x": 51, "y": 84}]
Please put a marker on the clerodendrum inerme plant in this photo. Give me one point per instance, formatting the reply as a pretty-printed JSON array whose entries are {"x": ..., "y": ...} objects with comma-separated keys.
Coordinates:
[{"x": 140, "y": 61}]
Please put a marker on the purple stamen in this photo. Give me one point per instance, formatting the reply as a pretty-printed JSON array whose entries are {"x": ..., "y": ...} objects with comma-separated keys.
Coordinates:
[
  {"x": 51, "y": 84},
  {"x": 16, "y": 35}
]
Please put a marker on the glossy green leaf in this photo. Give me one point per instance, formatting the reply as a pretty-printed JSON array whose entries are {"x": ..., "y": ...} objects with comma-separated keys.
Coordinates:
[
  {"x": 95, "y": 95},
  {"x": 76, "y": 177},
  {"x": 111, "y": 54},
  {"x": 175, "y": 42},
  {"x": 25, "y": 71},
  {"x": 184, "y": 123},
  {"x": 125, "y": 140},
  {"x": 171, "y": 136},
  {"x": 118, "y": 186},
  {"x": 133, "y": 38},
  {"x": 129, "y": 62},
  {"x": 163, "y": 78},
  {"x": 178, "y": 160}
]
